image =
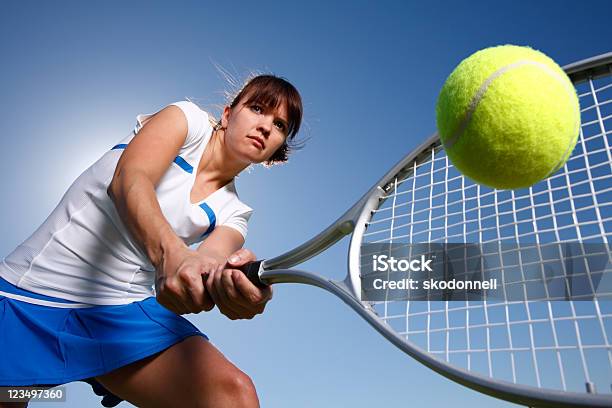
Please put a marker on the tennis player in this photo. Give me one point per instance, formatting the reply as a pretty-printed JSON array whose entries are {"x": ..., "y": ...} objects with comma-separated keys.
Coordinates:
[{"x": 97, "y": 292}]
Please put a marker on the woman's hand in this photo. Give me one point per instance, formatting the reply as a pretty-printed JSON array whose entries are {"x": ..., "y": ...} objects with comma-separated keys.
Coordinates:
[
  {"x": 233, "y": 293},
  {"x": 179, "y": 283}
]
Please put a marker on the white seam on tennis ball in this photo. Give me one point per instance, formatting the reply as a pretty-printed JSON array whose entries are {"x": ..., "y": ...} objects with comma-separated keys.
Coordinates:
[{"x": 448, "y": 143}]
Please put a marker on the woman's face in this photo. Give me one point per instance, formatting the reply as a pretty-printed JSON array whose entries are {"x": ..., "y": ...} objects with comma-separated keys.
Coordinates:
[{"x": 253, "y": 132}]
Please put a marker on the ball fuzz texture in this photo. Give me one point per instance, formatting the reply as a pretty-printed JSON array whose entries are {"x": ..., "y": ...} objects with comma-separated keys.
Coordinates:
[{"x": 508, "y": 117}]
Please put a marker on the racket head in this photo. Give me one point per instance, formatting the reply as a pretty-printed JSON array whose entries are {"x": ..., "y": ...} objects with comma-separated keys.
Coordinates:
[{"x": 530, "y": 351}]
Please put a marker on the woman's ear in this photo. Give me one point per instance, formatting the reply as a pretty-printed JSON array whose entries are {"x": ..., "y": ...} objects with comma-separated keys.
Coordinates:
[{"x": 225, "y": 116}]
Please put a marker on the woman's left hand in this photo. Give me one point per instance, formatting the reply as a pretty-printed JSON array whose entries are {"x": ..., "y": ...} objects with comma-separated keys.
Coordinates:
[{"x": 233, "y": 293}]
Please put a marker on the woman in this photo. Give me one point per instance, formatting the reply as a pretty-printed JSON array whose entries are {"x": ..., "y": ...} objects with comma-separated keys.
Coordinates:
[{"x": 76, "y": 298}]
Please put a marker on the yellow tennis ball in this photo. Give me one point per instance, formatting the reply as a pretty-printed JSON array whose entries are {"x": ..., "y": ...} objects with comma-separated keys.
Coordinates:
[{"x": 508, "y": 117}]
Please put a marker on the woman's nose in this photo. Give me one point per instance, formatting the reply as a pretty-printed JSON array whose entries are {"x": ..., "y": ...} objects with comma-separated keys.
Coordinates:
[{"x": 265, "y": 125}]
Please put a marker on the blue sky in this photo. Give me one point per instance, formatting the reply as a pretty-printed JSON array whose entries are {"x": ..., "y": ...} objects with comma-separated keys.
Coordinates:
[{"x": 74, "y": 75}]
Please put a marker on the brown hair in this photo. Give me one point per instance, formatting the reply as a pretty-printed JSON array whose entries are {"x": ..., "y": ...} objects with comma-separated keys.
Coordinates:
[{"x": 271, "y": 91}]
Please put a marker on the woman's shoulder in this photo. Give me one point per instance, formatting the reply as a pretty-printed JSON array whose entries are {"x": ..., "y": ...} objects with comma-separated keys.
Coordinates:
[
  {"x": 199, "y": 122},
  {"x": 235, "y": 213},
  {"x": 192, "y": 109},
  {"x": 234, "y": 201}
]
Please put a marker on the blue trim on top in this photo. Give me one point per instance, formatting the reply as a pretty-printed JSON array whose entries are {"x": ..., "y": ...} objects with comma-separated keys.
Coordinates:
[
  {"x": 212, "y": 219},
  {"x": 183, "y": 164},
  {"x": 8, "y": 287},
  {"x": 178, "y": 160}
]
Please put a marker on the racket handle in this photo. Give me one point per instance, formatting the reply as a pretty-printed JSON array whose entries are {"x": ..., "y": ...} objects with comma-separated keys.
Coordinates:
[{"x": 251, "y": 270}]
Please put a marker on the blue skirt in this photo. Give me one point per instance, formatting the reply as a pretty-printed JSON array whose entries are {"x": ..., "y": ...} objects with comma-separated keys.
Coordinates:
[{"x": 45, "y": 345}]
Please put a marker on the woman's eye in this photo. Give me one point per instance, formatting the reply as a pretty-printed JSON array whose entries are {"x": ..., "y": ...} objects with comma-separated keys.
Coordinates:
[
  {"x": 256, "y": 108},
  {"x": 280, "y": 125}
]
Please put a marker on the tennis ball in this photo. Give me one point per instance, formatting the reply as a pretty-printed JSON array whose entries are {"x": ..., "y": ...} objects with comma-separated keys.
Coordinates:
[{"x": 508, "y": 117}]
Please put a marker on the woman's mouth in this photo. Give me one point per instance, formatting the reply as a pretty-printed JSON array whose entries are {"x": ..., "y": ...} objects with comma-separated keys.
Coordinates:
[{"x": 258, "y": 141}]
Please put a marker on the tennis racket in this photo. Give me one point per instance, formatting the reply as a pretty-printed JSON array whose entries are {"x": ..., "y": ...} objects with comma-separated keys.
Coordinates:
[{"x": 543, "y": 353}]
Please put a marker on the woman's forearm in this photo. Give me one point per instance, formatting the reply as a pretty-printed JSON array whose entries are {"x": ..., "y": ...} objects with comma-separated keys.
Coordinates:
[{"x": 134, "y": 196}]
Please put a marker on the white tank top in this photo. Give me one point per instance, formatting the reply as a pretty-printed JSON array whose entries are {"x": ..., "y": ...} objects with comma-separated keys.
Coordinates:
[{"x": 84, "y": 253}]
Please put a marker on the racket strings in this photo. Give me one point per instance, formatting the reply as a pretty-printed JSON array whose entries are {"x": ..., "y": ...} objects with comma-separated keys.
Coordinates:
[{"x": 554, "y": 344}]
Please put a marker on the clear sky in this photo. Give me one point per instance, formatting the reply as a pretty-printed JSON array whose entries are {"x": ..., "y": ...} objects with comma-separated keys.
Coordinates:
[{"x": 75, "y": 74}]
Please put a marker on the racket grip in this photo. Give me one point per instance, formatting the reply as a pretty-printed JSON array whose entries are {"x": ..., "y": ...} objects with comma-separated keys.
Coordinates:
[{"x": 251, "y": 270}]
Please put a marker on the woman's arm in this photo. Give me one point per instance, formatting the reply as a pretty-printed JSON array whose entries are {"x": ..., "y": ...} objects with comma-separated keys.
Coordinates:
[
  {"x": 147, "y": 157},
  {"x": 141, "y": 166},
  {"x": 221, "y": 243}
]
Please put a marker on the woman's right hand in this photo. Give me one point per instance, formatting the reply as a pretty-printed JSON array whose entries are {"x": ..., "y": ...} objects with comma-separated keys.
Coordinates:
[{"x": 179, "y": 283}]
